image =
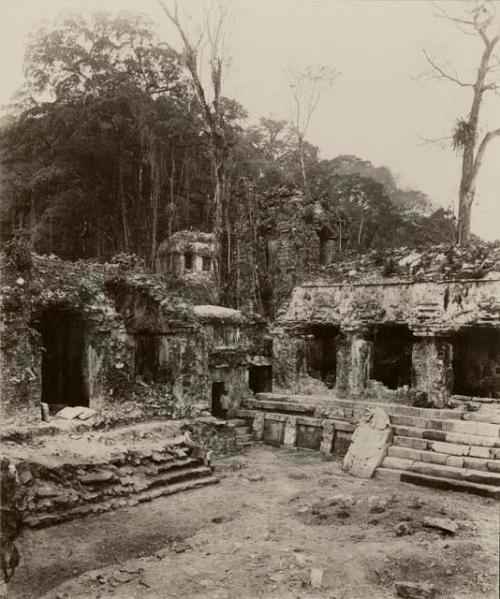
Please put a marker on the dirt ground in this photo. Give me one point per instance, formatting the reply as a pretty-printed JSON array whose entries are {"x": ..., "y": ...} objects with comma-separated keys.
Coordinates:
[{"x": 282, "y": 525}]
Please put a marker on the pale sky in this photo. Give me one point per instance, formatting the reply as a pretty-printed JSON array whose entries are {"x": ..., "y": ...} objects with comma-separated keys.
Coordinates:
[{"x": 379, "y": 109}]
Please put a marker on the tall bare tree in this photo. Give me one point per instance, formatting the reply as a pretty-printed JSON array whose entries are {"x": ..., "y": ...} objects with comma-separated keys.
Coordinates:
[
  {"x": 478, "y": 18},
  {"x": 308, "y": 86},
  {"x": 212, "y": 39}
]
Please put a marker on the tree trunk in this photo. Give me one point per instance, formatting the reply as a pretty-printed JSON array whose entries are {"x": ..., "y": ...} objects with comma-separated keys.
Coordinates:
[
  {"x": 464, "y": 215},
  {"x": 121, "y": 193}
]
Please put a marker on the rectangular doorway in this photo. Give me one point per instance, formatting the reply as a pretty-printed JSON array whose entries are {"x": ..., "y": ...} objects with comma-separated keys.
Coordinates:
[
  {"x": 260, "y": 379},
  {"x": 64, "y": 362}
]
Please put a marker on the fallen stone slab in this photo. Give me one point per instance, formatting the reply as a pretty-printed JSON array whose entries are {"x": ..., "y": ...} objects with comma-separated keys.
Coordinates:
[
  {"x": 369, "y": 444},
  {"x": 70, "y": 413},
  {"x": 447, "y": 526},
  {"x": 415, "y": 590}
]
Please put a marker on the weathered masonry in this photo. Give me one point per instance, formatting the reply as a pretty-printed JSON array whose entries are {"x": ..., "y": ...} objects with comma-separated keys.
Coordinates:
[
  {"x": 110, "y": 336},
  {"x": 392, "y": 339}
]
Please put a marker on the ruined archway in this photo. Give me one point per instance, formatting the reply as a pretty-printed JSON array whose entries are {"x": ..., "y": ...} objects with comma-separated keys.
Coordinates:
[
  {"x": 64, "y": 358},
  {"x": 476, "y": 362}
]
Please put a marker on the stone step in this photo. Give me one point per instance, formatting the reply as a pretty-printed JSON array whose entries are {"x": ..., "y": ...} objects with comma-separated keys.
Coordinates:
[
  {"x": 455, "y": 449},
  {"x": 279, "y": 406},
  {"x": 442, "y": 471},
  {"x": 468, "y": 427},
  {"x": 244, "y": 439},
  {"x": 445, "y": 459},
  {"x": 492, "y": 417},
  {"x": 326, "y": 403},
  {"x": 436, "y": 482},
  {"x": 445, "y": 436},
  {"x": 178, "y": 475},
  {"x": 42, "y": 520},
  {"x": 242, "y": 430},
  {"x": 482, "y": 400}
]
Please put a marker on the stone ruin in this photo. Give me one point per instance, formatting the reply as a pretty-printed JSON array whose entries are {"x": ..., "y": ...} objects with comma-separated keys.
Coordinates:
[{"x": 414, "y": 335}]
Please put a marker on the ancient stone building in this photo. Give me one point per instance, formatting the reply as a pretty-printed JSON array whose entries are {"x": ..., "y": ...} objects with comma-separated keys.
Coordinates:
[
  {"x": 107, "y": 335},
  {"x": 420, "y": 336}
]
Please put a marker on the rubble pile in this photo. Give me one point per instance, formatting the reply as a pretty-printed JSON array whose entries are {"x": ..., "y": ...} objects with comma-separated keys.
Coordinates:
[{"x": 437, "y": 263}]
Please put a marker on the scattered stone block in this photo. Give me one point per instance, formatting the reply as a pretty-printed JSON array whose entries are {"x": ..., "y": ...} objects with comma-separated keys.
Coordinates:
[
  {"x": 443, "y": 524},
  {"x": 403, "y": 528},
  {"x": 377, "y": 505},
  {"x": 369, "y": 444},
  {"x": 415, "y": 590}
]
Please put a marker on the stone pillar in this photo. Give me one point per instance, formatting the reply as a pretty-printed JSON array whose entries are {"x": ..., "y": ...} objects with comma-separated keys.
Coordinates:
[
  {"x": 433, "y": 368},
  {"x": 354, "y": 363},
  {"x": 290, "y": 432},
  {"x": 328, "y": 437},
  {"x": 258, "y": 426}
]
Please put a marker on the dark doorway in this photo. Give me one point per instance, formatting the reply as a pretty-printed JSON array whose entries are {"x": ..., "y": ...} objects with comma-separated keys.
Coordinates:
[
  {"x": 260, "y": 379},
  {"x": 64, "y": 360},
  {"x": 146, "y": 356},
  {"x": 217, "y": 409},
  {"x": 392, "y": 346},
  {"x": 321, "y": 353},
  {"x": 476, "y": 362}
]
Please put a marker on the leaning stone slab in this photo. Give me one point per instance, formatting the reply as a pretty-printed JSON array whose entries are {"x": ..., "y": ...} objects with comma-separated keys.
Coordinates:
[{"x": 369, "y": 444}]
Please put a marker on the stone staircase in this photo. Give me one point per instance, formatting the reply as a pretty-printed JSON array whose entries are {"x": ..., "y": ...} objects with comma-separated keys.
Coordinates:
[
  {"x": 70, "y": 491},
  {"x": 244, "y": 437},
  {"x": 453, "y": 449},
  {"x": 461, "y": 454}
]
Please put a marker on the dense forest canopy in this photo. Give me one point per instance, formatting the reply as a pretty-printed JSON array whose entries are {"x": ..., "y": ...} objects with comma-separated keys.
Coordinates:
[{"x": 106, "y": 151}]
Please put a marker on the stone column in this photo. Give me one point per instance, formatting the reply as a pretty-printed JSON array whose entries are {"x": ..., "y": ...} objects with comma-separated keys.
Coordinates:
[
  {"x": 328, "y": 437},
  {"x": 258, "y": 426},
  {"x": 354, "y": 362},
  {"x": 433, "y": 368},
  {"x": 290, "y": 432}
]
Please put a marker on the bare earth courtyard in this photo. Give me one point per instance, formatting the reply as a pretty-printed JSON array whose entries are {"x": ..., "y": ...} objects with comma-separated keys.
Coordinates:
[{"x": 281, "y": 524}]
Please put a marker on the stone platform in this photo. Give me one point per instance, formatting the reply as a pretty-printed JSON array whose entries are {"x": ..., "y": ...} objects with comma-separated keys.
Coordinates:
[
  {"x": 446, "y": 448},
  {"x": 69, "y": 477}
]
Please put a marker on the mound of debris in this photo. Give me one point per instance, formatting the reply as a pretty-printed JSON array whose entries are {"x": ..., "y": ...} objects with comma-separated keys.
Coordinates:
[{"x": 441, "y": 262}]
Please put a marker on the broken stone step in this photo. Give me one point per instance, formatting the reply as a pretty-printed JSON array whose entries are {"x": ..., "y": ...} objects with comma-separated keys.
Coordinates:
[
  {"x": 247, "y": 438},
  {"x": 445, "y": 459},
  {"x": 468, "y": 427},
  {"x": 177, "y": 488},
  {"x": 436, "y": 482},
  {"x": 44, "y": 520},
  {"x": 178, "y": 476},
  {"x": 176, "y": 464},
  {"x": 442, "y": 471}
]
